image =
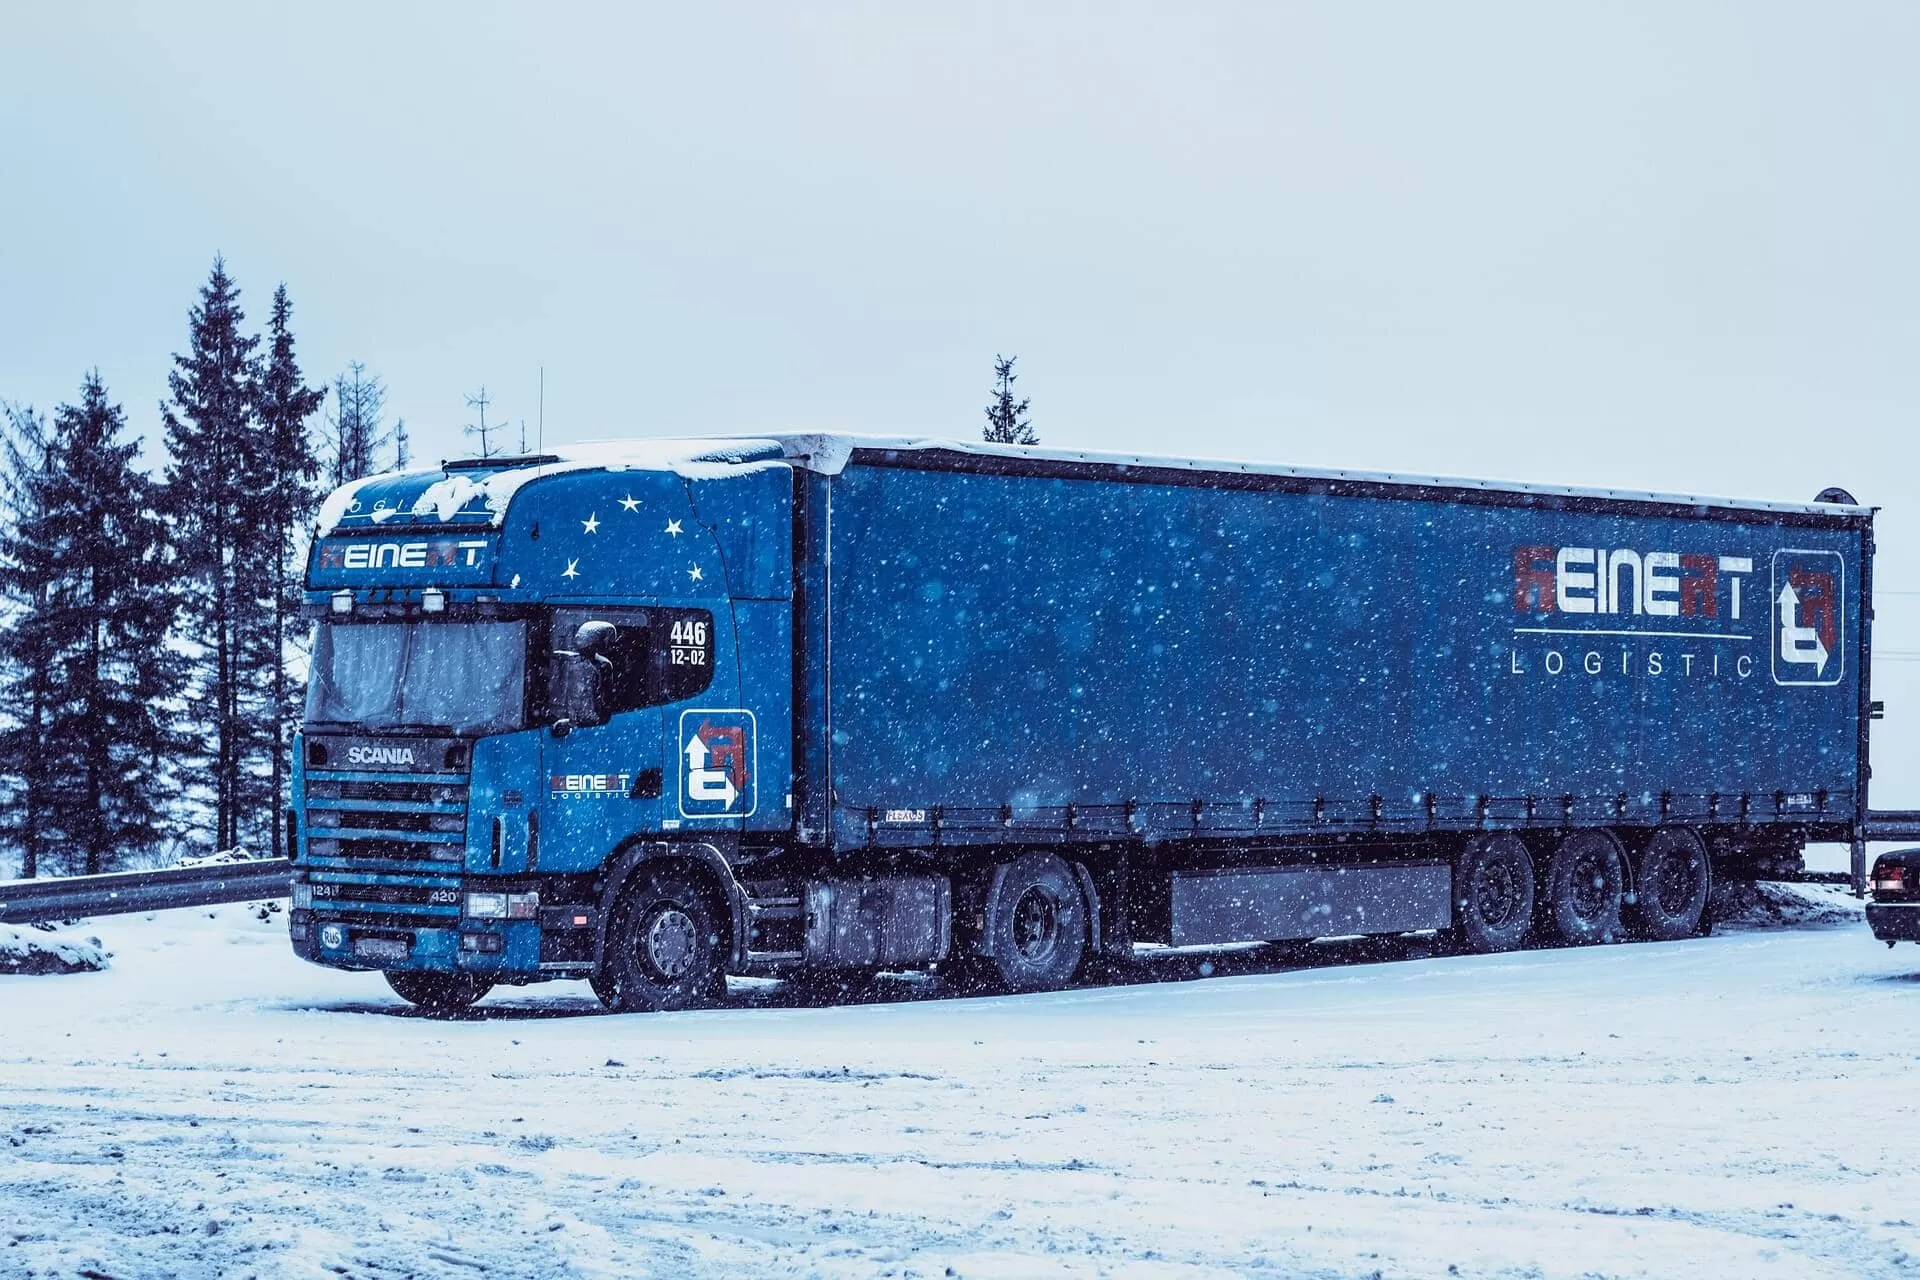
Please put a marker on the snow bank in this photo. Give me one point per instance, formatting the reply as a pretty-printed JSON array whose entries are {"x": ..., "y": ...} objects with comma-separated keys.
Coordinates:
[
  {"x": 1767, "y": 904},
  {"x": 26, "y": 950}
]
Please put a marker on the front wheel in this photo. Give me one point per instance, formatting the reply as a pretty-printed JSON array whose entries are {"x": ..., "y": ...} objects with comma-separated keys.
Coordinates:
[
  {"x": 443, "y": 992},
  {"x": 663, "y": 946}
]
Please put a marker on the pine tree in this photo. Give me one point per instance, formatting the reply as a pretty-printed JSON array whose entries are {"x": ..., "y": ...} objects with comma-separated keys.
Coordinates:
[
  {"x": 28, "y": 578},
  {"x": 285, "y": 404},
  {"x": 402, "y": 445},
  {"x": 359, "y": 398},
  {"x": 213, "y": 500},
  {"x": 93, "y": 551},
  {"x": 1006, "y": 417}
]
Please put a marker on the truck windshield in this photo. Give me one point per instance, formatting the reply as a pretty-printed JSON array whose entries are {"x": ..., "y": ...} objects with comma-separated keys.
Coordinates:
[{"x": 466, "y": 677}]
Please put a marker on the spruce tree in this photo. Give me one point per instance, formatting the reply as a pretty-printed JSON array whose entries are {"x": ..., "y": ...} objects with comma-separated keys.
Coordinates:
[
  {"x": 359, "y": 398},
  {"x": 213, "y": 499},
  {"x": 29, "y": 580},
  {"x": 1006, "y": 417},
  {"x": 93, "y": 552},
  {"x": 285, "y": 405}
]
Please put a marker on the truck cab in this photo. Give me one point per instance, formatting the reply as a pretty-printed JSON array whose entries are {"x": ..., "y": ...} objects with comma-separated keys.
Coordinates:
[{"x": 532, "y": 677}]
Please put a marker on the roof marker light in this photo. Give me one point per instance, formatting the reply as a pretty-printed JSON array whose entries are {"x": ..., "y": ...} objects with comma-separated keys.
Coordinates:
[
  {"x": 433, "y": 600},
  {"x": 343, "y": 602}
]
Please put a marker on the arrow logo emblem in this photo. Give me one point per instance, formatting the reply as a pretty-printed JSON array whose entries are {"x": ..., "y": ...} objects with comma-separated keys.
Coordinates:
[
  {"x": 708, "y": 786},
  {"x": 716, "y": 777},
  {"x": 1797, "y": 643}
]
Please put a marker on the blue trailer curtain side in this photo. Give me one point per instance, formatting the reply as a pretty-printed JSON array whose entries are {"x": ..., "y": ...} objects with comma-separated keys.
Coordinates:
[{"x": 1065, "y": 651}]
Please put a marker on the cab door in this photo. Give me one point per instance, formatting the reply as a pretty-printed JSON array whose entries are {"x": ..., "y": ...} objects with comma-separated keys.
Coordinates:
[{"x": 603, "y": 782}]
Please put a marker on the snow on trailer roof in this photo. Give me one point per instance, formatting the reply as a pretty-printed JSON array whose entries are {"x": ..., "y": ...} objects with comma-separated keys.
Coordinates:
[
  {"x": 482, "y": 489},
  {"x": 829, "y": 453}
]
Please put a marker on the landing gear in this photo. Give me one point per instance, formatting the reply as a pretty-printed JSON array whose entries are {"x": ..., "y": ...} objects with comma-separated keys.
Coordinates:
[
  {"x": 1585, "y": 887},
  {"x": 1493, "y": 894},
  {"x": 663, "y": 947},
  {"x": 442, "y": 992},
  {"x": 1038, "y": 931},
  {"x": 1672, "y": 887}
]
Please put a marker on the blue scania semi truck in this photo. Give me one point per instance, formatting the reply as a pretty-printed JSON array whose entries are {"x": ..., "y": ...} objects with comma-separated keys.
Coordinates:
[{"x": 655, "y": 713}]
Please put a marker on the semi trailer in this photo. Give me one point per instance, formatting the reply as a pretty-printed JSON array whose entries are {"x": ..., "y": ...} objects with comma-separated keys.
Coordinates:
[{"x": 654, "y": 713}]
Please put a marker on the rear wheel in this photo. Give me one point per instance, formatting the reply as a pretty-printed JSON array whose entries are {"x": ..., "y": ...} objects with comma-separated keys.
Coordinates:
[
  {"x": 1039, "y": 931},
  {"x": 1672, "y": 887},
  {"x": 1585, "y": 885},
  {"x": 440, "y": 991},
  {"x": 663, "y": 946},
  {"x": 1493, "y": 894}
]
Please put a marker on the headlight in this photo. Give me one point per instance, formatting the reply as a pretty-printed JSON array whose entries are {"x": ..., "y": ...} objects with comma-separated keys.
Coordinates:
[
  {"x": 523, "y": 906},
  {"x": 487, "y": 906}
]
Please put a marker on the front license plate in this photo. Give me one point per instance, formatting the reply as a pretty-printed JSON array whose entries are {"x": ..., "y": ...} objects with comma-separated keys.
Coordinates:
[{"x": 380, "y": 948}]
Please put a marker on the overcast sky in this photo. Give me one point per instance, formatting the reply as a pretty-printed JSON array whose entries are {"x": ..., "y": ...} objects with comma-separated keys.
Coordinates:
[{"x": 1660, "y": 245}]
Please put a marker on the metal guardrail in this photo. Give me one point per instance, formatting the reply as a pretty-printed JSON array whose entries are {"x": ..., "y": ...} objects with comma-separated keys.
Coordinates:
[
  {"x": 1893, "y": 825},
  {"x": 25, "y": 901}
]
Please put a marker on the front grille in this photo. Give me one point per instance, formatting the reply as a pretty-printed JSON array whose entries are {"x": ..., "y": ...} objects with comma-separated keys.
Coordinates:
[
  {"x": 353, "y": 821},
  {"x": 329, "y": 850},
  {"x": 404, "y": 792},
  {"x": 375, "y": 820}
]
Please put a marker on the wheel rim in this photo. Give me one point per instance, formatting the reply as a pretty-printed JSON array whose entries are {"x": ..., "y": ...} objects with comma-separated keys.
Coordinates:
[
  {"x": 1036, "y": 925},
  {"x": 1496, "y": 891},
  {"x": 669, "y": 942},
  {"x": 1671, "y": 882},
  {"x": 1592, "y": 878}
]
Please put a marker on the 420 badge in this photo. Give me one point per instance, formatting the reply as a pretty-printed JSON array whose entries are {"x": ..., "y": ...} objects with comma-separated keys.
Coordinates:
[{"x": 717, "y": 749}]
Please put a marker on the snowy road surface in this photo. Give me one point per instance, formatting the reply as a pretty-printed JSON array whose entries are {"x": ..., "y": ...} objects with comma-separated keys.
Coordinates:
[{"x": 1742, "y": 1105}]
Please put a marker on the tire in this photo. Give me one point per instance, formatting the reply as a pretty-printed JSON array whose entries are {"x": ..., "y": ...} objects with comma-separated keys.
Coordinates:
[
  {"x": 1585, "y": 888},
  {"x": 663, "y": 946},
  {"x": 1039, "y": 932},
  {"x": 442, "y": 992},
  {"x": 1493, "y": 895},
  {"x": 1672, "y": 886}
]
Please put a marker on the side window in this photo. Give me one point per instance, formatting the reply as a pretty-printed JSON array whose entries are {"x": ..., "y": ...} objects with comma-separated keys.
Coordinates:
[{"x": 658, "y": 655}]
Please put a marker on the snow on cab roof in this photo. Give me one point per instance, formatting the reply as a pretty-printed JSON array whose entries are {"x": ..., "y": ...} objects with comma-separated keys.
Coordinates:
[{"x": 480, "y": 490}]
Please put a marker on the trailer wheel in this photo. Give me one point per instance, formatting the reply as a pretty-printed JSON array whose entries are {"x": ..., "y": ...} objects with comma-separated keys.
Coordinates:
[
  {"x": 1585, "y": 887},
  {"x": 1672, "y": 885},
  {"x": 1038, "y": 934},
  {"x": 663, "y": 946},
  {"x": 1493, "y": 894},
  {"x": 444, "y": 992}
]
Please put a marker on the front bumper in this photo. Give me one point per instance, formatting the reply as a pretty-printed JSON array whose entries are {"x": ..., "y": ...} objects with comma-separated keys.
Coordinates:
[
  {"x": 558, "y": 945},
  {"x": 1894, "y": 921}
]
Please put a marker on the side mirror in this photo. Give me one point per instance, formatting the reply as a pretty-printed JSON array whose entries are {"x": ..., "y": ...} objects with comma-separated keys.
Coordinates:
[{"x": 579, "y": 694}]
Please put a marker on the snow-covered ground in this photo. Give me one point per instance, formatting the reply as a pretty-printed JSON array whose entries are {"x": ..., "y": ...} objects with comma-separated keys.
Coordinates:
[{"x": 1742, "y": 1105}]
